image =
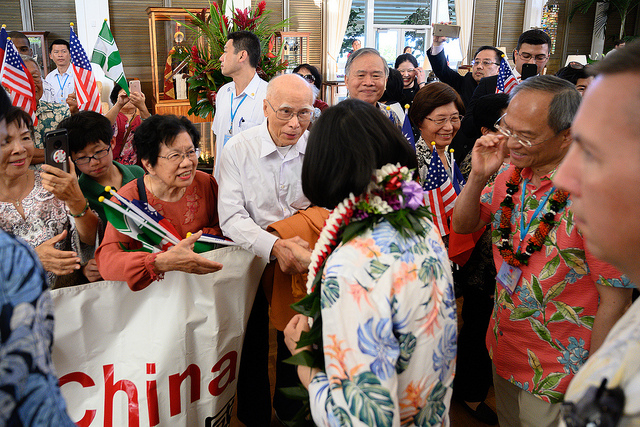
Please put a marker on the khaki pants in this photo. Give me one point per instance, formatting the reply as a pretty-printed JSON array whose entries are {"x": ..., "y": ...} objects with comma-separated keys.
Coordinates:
[{"x": 517, "y": 407}]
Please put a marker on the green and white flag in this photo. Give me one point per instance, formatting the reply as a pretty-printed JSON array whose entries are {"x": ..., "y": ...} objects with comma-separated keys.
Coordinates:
[{"x": 106, "y": 55}]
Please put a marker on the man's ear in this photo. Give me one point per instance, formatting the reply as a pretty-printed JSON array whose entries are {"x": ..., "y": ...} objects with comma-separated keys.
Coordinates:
[
  {"x": 243, "y": 56},
  {"x": 484, "y": 130},
  {"x": 566, "y": 138},
  {"x": 265, "y": 107}
]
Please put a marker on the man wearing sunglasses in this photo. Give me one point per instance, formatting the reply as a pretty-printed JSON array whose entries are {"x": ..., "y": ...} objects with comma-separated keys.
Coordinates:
[
  {"x": 91, "y": 148},
  {"x": 554, "y": 302},
  {"x": 260, "y": 184}
]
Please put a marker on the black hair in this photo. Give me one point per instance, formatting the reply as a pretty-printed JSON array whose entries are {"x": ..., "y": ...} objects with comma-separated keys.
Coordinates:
[
  {"x": 249, "y": 42},
  {"x": 572, "y": 74},
  {"x": 5, "y": 103},
  {"x": 395, "y": 85},
  {"x": 86, "y": 127},
  {"x": 18, "y": 35},
  {"x": 113, "y": 96},
  {"x": 618, "y": 42},
  {"x": 59, "y": 41},
  {"x": 406, "y": 57},
  {"x": 497, "y": 51},
  {"x": 488, "y": 110},
  {"x": 161, "y": 129},
  {"x": 534, "y": 37},
  {"x": 346, "y": 145},
  {"x": 21, "y": 117},
  {"x": 314, "y": 72},
  {"x": 432, "y": 96}
]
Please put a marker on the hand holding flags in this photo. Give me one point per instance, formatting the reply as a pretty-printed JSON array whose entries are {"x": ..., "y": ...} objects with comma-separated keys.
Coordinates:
[
  {"x": 506, "y": 80},
  {"x": 15, "y": 76},
  {"x": 85, "y": 83},
  {"x": 107, "y": 56},
  {"x": 439, "y": 192}
]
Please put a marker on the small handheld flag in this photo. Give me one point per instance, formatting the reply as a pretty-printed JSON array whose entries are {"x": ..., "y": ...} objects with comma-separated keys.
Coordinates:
[
  {"x": 406, "y": 128},
  {"x": 506, "y": 80},
  {"x": 16, "y": 77},
  {"x": 439, "y": 192},
  {"x": 85, "y": 83},
  {"x": 3, "y": 43},
  {"x": 107, "y": 56}
]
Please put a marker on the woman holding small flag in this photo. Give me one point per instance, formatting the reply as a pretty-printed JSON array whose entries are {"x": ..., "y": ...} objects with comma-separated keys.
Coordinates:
[{"x": 185, "y": 199}]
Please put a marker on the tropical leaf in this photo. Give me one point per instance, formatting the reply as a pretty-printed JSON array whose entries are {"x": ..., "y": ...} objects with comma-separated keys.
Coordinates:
[
  {"x": 430, "y": 415},
  {"x": 552, "y": 380},
  {"x": 556, "y": 317},
  {"x": 535, "y": 364},
  {"x": 587, "y": 321},
  {"x": 554, "y": 396},
  {"x": 368, "y": 400},
  {"x": 431, "y": 268},
  {"x": 341, "y": 416},
  {"x": 541, "y": 330},
  {"x": 329, "y": 293},
  {"x": 520, "y": 313},
  {"x": 550, "y": 268},
  {"x": 377, "y": 269},
  {"x": 575, "y": 259},
  {"x": 569, "y": 222},
  {"x": 555, "y": 290},
  {"x": 567, "y": 311},
  {"x": 537, "y": 290},
  {"x": 407, "y": 347}
]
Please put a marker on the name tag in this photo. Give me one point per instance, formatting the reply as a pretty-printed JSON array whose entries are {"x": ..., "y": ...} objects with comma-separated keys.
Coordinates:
[{"x": 508, "y": 277}]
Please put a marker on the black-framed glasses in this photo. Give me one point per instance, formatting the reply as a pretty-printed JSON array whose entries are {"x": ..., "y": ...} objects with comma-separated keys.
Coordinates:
[
  {"x": 484, "y": 62},
  {"x": 538, "y": 58},
  {"x": 177, "y": 158},
  {"x": 100, "y": 154},
  {"x": 454, "y": 120},
  {"x": 288, "y": 113},
  {"x": 504, "y": 130},
  {"x": 307, "y": 77}
]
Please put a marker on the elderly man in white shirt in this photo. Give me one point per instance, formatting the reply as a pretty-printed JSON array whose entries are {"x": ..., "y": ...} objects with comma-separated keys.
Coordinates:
[{"x": 260, "y": 183}]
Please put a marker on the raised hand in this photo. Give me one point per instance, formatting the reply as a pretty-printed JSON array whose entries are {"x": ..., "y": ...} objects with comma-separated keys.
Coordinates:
[{"x": 56, "y": 261}]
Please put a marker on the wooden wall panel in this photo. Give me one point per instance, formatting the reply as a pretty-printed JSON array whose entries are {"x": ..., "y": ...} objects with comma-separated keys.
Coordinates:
[
  {"x": 11, "y": 16},
  {"x": 306, "y": 16},
  {"x": 484, "y": 23}
]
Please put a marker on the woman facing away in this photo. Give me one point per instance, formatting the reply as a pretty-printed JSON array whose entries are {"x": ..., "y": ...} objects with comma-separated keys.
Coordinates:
[{"x": 382, "y": 277}]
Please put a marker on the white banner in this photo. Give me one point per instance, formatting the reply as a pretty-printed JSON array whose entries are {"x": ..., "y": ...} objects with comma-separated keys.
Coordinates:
[{"x": 167, "y": 355}]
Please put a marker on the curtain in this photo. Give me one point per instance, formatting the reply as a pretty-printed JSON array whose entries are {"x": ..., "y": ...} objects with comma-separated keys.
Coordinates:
[
  {"x": 464, "y": 14},
  {"x": 336, "y": 18}
]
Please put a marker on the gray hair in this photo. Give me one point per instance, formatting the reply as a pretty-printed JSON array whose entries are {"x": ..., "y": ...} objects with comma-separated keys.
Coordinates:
[
  {"x": 27, "y": 58},
  {"x": 564, "y": 105},
  {"x": 365, "y": 51}
]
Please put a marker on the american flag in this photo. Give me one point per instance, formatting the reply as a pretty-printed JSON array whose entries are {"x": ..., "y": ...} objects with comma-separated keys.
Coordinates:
[
  {"x": 16, "y": 77},
  {"x": 86, "y": 87},
  {"x": 506, "y": 80},
  {"x": 440, "y": 193}
]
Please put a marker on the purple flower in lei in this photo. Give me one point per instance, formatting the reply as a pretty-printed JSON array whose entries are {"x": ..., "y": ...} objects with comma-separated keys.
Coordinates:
[{"x": 413, "y": 194}]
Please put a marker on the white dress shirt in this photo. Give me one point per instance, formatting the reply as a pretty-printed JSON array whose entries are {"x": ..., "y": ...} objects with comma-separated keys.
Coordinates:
[
  {"x": 258, "y": 186},
  {"x": 58, "y": 86},
  {"x": 247, "y": 113}
]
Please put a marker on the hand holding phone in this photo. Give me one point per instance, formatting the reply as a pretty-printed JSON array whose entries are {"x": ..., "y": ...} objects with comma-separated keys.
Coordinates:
[
  {"x": 134, "y": 86},
  {"x": 528, "y": 70},
  {"x": 56, "y": 149}
]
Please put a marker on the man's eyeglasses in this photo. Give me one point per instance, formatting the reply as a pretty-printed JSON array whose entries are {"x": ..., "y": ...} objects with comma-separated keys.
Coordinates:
[
  {"x": 100, "y": 154},
  {"x": 504, "y": 130},
  {"x": 287, "y": 114},
  {"x": 177, "y": 158},
  {"x": 454, "y": 120},
  {"x": 307, "y": 77},
  {"x": 527, "y": 57},
  {"x": 485, "y": 62}
]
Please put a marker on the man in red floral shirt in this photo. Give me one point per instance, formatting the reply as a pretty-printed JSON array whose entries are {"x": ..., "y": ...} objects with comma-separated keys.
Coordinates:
[{"x": 554, "y": 302}]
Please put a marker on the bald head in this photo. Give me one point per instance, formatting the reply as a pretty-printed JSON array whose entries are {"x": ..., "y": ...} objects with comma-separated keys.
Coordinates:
[{"x": 288, "y": 108}]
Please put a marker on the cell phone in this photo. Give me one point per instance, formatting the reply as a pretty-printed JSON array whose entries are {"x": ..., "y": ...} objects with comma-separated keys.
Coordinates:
[
  {"x": 528, "y": 70},
  {"x": 442, "y": 30},
  {"x": 56, "y": 149},
  {"x": 134, "y": 86}
]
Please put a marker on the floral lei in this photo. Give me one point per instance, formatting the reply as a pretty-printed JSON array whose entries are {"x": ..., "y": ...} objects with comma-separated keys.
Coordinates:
[
  {"x": 393, "y": 195},
  {"x": 557, "y": 201}
]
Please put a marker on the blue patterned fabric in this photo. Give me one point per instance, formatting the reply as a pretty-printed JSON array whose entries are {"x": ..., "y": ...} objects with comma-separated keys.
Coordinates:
[{"x": 29, "y": 392}]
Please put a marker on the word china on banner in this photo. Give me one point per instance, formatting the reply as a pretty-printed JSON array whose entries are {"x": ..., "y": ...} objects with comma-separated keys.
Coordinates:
[{"x": 167, "y": 355}]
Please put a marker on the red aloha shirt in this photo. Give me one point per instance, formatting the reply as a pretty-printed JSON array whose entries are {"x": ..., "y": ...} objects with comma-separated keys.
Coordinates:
[{"x": 540, "y": 335}]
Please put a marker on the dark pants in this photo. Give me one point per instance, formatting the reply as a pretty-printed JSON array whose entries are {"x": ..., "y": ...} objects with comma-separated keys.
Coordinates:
[
  {"x": 473, "y": 367},
  {"x": 286, "y": 376},
  {"x": 254, "y": 393}
]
